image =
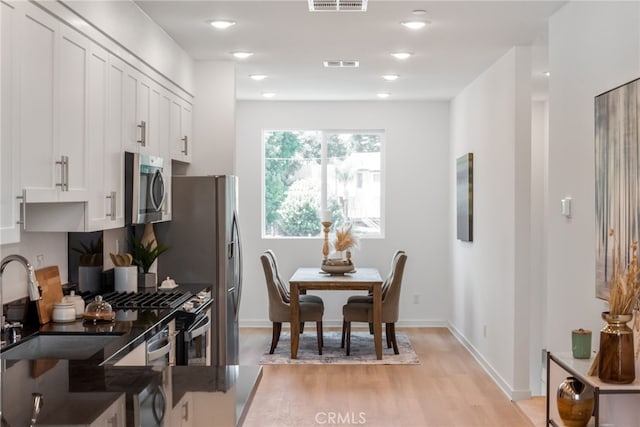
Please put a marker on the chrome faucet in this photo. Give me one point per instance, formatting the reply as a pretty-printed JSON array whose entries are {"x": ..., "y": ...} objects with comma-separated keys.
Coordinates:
[{"x": 32, "y": 283}]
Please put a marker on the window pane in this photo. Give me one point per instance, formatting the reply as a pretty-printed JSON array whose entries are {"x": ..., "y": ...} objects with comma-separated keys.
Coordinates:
[
  {"x": 292, "y": 183},
  {"x": 294, "y": 171},
  {"x": 353, "y": 180}
]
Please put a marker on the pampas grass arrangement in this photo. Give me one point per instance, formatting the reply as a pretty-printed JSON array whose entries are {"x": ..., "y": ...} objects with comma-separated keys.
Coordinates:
[
  {"x": 345, "y": 239},
  {"x": 625, "y": 285}
]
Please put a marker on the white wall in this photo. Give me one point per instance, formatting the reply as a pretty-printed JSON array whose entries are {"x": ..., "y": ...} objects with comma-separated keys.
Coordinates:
[
  {"x": 492, "y": 118},
  {"x": 52, "y": 247},
  {"x": 416, "y": 170},
  {"x": 593, "y": 47},
  {"x": 538, "y": 296}
]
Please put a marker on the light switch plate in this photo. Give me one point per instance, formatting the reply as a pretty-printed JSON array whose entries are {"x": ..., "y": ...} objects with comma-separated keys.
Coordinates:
[{"x": 565, "y": 207}]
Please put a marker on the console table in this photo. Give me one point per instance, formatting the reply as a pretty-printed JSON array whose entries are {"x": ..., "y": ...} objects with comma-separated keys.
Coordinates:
[{"x": 578, "y": 368}]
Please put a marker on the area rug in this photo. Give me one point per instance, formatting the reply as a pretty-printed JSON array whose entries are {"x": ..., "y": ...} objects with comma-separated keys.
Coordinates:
[{"x": 362, "y": 350}]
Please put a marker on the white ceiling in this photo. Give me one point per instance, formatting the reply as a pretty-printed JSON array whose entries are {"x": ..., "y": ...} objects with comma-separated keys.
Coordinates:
[{"x": 290, "y": 43}]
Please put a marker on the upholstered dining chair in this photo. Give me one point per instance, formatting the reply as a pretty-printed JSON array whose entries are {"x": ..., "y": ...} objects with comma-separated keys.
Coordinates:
[
  {"x": 362, "y": 311},
  {"x": 385, "y": 287},
  {"x": 279, "y": 303}
]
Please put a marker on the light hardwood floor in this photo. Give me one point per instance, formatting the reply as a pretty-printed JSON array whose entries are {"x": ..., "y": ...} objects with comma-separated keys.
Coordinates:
[{"x": 448, "y": 388}]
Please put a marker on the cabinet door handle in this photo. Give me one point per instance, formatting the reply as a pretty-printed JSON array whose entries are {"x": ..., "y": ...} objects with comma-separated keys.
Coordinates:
[
  {"x": 186, "y": 145},
  {"x": 112, "y": 198},
  {"x": 113, "y": 421},
  {"x": 185, "y": 411},
  {"x": 143, "y": 133},
  {"x": 23, "y": 210},
  {"x": 64, "y": 173}
]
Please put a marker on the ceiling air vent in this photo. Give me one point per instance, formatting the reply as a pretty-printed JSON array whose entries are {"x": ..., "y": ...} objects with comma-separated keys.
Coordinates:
[
  {"x": 341, "y": 64},
  {"x": 337, "y": 5}
]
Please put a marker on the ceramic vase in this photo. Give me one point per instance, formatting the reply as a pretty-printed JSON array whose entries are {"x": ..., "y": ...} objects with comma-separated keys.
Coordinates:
[
  {"x": 617, "y": 362},
  {"x": 575, "y": 402}
]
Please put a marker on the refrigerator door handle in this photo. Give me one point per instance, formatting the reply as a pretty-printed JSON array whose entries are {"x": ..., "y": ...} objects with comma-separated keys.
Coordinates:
[{"x": 235, "y": 233}]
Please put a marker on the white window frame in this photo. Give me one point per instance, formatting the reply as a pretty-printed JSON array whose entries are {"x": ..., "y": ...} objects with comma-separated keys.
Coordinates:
[{"x": 323, "y": 184}]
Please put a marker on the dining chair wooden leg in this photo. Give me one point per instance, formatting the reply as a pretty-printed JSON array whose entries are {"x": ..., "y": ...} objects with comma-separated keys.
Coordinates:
[
  {"x": 319, "y": 333},
  {"x": 277, "y": 327},
  {"x": 348, "y": 338},
  {"x": 370, "y": 328},
  {"x": 393, "y": 338},
  {"x": 301, "y": 327},
  {"x": 387, "y": 332},
  {"x": 344, "y": 331}
]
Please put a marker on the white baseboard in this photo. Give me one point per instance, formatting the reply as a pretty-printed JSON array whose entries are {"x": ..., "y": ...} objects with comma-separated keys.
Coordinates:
[
  {"x": 495, "y": 376},
  {"x": 260, "y": 323}
]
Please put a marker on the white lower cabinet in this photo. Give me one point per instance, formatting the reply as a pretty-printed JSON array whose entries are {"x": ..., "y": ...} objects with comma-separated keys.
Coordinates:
[
  {"x": 182, "y": 414},
  {"x": 114, "y": 416},
  {"x": 80, "y": 409}
]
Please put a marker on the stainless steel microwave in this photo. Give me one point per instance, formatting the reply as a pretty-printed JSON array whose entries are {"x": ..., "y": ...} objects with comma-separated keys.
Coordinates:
[{"x": 144, "y": 192}]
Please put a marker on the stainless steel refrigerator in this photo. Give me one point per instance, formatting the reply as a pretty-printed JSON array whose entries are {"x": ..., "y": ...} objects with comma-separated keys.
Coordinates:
[{"x": 204, "y": 248}]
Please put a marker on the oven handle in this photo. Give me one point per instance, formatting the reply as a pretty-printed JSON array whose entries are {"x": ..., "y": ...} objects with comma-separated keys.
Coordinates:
[
  {"x": 157, "y": 354},
  {"x": 191, "y": 334}
]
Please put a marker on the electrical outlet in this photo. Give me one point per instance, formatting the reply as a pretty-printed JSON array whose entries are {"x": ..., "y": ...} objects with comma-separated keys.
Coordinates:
[
  {"x": 39, "y": 261},
  {"x": 416, "y": 299}
]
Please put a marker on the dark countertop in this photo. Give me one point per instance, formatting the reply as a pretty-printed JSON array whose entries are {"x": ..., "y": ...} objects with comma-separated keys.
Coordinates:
[{"x": 77, "y": 392}]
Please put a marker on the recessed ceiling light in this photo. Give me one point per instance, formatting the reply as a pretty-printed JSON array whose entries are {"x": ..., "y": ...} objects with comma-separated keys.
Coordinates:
[
  {"x": 242, "y": 55},
  {"x": 222, "y": 24},
  {"x": 414, "y": 25},
  {"x": 401, "y": 55},
  {"x": 268, "y": 94},
  {"x": 382, "y": 95},
  {"x": 547, "y": 73},
  {"x": 419, "y": 12},
  {"x": 258, "y": 77},
  {"x": 390, "y": 77}
]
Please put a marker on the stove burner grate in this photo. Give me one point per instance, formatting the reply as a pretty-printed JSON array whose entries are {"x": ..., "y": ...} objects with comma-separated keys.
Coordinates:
[{"x": 149, "y": 300}]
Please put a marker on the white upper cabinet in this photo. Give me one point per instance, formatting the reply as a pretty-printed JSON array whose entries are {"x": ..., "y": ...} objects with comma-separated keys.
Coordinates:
[
  {"x": 106, "y": 80},
  {"x": 53, "y": 85},
  {"x": 181, "y": 129},
  {"x": 72, "y": 104},
  {"x": 9, "y": 147},
  {"x": 141, "y": 102}
]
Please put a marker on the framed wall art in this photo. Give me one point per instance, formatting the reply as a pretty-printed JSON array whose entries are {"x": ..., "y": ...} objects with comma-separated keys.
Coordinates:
[
  {"x": 464, "y": 197},
  {"x": 617, "y": 177}
]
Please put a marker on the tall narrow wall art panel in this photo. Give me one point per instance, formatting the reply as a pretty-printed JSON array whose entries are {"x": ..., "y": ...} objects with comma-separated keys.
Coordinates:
[
  {"x": 464, "y": 197},
  {"x": 617, "y": 176}
]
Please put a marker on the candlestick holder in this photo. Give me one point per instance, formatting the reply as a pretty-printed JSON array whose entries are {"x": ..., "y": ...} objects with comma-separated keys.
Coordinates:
[{"x": 325, "y": 246}]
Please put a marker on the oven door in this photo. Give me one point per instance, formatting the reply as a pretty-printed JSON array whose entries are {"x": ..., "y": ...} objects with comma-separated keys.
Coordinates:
[{"x": 197, "y": 341}]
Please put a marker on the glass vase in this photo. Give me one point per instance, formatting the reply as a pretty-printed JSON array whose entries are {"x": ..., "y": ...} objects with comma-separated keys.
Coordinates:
[{"x": 617, "y": 362}]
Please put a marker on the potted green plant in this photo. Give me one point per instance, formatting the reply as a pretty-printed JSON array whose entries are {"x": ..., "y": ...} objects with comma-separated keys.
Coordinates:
[{"x": 144, "y": 255}]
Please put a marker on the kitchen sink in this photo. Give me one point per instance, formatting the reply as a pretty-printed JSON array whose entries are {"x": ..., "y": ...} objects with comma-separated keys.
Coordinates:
[{"x": 72, "y": 347}]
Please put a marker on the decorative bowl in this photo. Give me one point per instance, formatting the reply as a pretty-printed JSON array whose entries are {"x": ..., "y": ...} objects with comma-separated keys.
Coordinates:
[{"x": 337, "y": 266}]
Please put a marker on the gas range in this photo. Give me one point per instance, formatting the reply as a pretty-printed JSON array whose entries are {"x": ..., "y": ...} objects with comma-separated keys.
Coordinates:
[{"x": 182, "y": 300}]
